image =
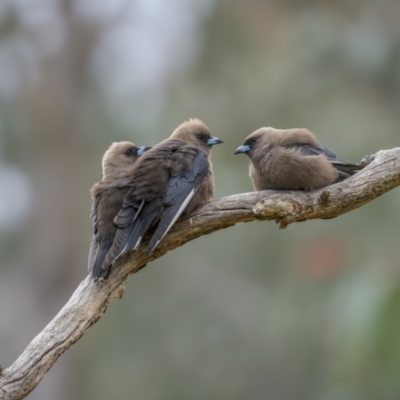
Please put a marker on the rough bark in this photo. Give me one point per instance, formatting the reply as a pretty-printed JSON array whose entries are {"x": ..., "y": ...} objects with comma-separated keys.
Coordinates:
[{"x": 89, "y": 302}]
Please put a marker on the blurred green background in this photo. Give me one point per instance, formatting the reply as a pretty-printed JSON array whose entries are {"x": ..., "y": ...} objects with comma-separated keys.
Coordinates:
[{"x": 251, "y": 312}]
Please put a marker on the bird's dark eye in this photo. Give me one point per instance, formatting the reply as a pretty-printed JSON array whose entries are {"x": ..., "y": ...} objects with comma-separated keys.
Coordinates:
[
  {"x": 128, "y": 152},
  {"x": 200, "y": 136},
  {"x": 254, "y": 140}
]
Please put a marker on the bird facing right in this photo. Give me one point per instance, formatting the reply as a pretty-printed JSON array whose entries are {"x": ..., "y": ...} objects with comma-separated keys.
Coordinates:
[
  {"x": 170, "y": 180},
  {"x": 292, "y": 159}
]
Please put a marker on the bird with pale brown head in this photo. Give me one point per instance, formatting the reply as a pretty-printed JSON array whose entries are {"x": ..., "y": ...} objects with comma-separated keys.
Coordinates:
[{"x": 292, "y": 159}]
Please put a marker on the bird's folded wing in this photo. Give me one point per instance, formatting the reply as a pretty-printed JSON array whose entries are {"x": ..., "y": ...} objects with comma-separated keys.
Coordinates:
[
  {"x": 181, "y": 188},
  {"x": 346, "y": 166},
  {"x": 94, "y": 246},
  {"x": 124, "y": 221},
  {"x": 147, "y": 217},
  {"x": 311, "y": 150},
  {"x": 128, "y": 212}
]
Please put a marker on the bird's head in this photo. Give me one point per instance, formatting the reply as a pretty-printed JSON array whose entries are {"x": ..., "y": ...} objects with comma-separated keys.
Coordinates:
[
  {"x": 196, "y": 133},
  {"x": 120, "y": 157},
  {"x": 258, "y": 139},
  {"x": 266, "y": 138}
]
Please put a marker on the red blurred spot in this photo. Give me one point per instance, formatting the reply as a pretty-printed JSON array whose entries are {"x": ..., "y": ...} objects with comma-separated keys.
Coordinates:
[{"x": 321, "y": 259}]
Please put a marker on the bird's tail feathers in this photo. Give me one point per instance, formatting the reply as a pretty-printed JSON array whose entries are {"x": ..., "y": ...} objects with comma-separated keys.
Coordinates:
[
  {"x": 170, "y": 216},
  {"x": 98, "y": 270},
  {"x": 144, "y": 221},
  {"x": 347, "y": 165}
]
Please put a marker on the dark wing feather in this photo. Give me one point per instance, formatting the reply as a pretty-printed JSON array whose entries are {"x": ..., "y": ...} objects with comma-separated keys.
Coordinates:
[
  {"x": 97, "y": 268},
  {"x": 100, "y": 243},
  {"x": 106, "y": 233},
  {"x": 149, "y": 216},
  {"x": 133, "y": 220},
  {"x": 124, "y": 220},
  {"x": 94, "y": 246},
  {"x": 181, "y": 188},
  {"x": 310, "y": 150},
  {"x": 128, "y": 212},
  {"x": 346, "y": 167}
]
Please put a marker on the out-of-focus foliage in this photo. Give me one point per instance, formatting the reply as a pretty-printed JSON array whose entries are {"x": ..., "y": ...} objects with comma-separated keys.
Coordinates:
[{"x": 252, "y": 312}]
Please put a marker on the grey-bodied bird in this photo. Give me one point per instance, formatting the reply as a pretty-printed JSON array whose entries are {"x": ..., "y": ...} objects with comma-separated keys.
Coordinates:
[
  {"x": 170, "y": 180},
  {"x": 107, "y": 196},
  {"x": 292, "y": 159}
]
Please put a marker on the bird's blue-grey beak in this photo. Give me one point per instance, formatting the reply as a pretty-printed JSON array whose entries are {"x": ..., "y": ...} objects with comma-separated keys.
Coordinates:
[
  {"x": 142, "y": 149},
  {"x": 213, "y": 140},
  {"x": 242, "y": 149}
]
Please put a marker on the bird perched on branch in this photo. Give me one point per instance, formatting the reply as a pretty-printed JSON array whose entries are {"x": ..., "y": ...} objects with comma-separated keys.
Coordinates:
[
  {"x": 170, "y": 180},
  {"x": 107, "y": 196},
  {"x": 292, "y": 159}
]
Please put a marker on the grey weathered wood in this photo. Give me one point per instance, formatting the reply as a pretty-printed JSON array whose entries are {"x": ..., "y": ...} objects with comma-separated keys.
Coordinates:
[{"x": 89, "y": 302}]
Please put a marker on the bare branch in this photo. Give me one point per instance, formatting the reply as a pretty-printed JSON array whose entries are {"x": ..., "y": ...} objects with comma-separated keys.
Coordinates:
[{"x": 90, "y": 301}]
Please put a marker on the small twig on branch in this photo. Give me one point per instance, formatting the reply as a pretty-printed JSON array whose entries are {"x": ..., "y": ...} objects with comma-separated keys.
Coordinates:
[{"x": 89, "y": 302}]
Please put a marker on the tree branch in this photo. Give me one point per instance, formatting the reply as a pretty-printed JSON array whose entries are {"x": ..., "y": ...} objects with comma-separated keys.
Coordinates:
[{"x": 89, "y": 302}]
